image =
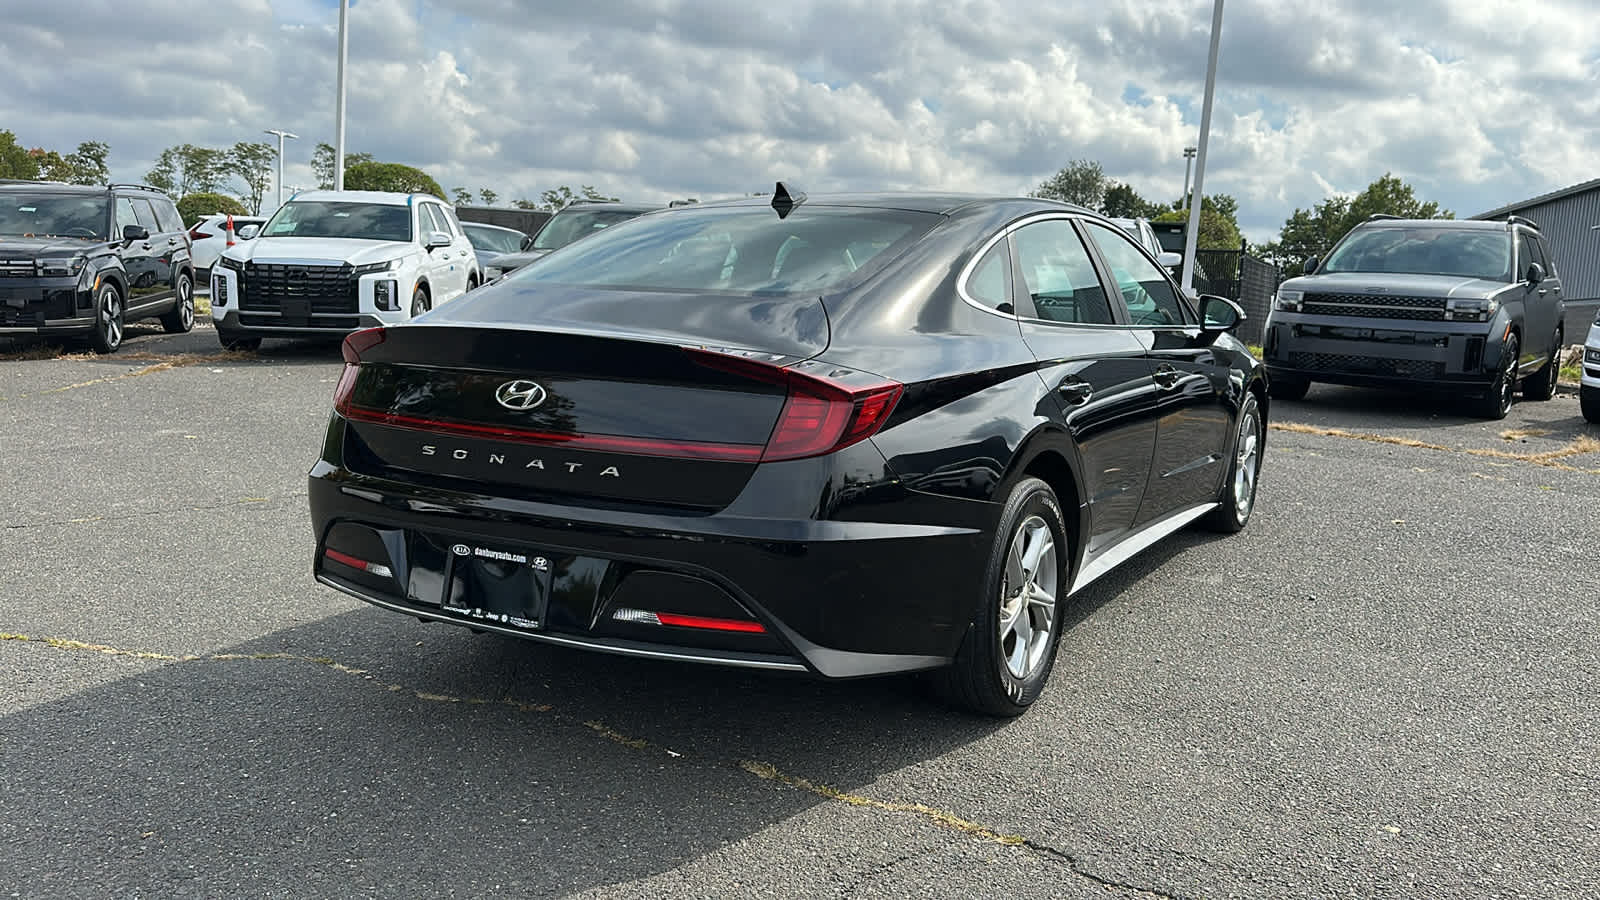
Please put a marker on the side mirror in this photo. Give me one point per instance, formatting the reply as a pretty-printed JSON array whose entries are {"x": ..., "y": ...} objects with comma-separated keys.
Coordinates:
[
  {"x": 527, "y": 241},
  {"x": 131, "y": 233},
  {"x": 1535, "y": 273},
  {"x": 437, "y": 239},
  {"x": 1310, "y": 267},
  {"x": 248, "y": 232},
  {"x": 1219, "y": 314},
  {"x": 1170, "y": 260}
]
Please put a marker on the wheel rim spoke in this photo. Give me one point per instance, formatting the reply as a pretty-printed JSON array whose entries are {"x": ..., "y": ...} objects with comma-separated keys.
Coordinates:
[{"x": 1028, "y": 604}]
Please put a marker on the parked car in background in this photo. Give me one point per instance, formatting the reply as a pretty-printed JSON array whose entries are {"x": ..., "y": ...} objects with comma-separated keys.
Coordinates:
[
  {"x": 1146, "y": 236},
  {"x": 330, "y": 262},
  {"x": 493, "y": 241},
  {"x": 581, "y": 219},
  {"x": 81, "y": 260},
  {"x": 847, "y": 435},
  {"x": 209, "y": 237},
  {"x": 1469, "y": 307},
  {"x": 1589, "y": 389}
]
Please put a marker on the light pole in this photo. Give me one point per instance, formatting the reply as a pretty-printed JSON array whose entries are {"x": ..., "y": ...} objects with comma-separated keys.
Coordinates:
[
  {"x": 1192, "y": 239},
  {"x": 1188, "y": 163},
  {"x": 281, "y": 135},
  {"x": 338, "y": 107}
]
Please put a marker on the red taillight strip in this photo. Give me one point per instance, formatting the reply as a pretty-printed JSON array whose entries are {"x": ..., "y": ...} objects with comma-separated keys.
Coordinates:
[
  {"x": 678, "y": 620},
  {"x": 360, "y": 565},
  {"x": 604, "y": 442}
]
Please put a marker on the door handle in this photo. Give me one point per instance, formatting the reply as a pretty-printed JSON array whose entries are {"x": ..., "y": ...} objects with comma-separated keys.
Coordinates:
[
  {"x": 1166, "y": 377},
  {"x": 1075, "y": 391},
  {"x": 172, "y": 242}
]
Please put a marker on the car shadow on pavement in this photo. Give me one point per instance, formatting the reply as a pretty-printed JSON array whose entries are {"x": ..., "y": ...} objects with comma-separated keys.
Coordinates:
[{"x": 370, "y": 753}]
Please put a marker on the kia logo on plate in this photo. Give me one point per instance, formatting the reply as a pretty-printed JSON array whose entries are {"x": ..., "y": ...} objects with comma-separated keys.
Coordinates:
[{"x": 520, "y": 395}]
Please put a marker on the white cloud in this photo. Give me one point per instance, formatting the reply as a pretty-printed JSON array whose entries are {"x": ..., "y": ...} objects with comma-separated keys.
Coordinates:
[{"x": 1476, "y": 102}]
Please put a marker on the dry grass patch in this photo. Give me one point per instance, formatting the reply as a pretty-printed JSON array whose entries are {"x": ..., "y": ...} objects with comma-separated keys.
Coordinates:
[
  {"x": 1517, "y": 434},
  {"x": 1549, "y": 458},
  {"x": 36, "y": 352}
]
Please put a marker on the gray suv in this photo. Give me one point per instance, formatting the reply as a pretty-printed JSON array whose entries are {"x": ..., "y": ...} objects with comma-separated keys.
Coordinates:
[{"x": 1465, "y": 307}]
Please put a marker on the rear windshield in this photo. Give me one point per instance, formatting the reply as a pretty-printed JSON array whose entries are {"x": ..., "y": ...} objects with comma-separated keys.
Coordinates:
[
  {"x": 1424, "y": 251},
  {"x": 815, "y": 250},
  {"x": 569, "y": 225},
  {"x": 493, "y": 240},
  {"x": 54, "y": 215},
  {"x": 325, "y": 219}
]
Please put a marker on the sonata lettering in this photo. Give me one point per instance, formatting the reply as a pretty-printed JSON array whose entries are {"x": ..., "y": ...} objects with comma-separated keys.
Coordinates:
[{"x": 501, "y": 459}]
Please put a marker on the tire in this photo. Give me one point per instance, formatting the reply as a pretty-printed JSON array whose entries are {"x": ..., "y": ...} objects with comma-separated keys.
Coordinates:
[
  {"x": 1589, "y": 399},
  {"x": 1288, "y": 387},
  {"x": 1496, "y": 401},
  {"x": 1541, "y": 385},
  {"x": 106, "y": 336},
  {"x": 238, "y": 342},
  {"x": 1238, "y": 497},
  {"x": 419, "y": 301},
  {"x": 1009, "y": 651},
  {"x": 181, "y": 319},
  {"x": 472, "y": 283}
]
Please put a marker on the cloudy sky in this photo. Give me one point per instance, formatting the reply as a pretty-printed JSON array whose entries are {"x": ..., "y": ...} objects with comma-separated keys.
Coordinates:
[{"x": 1476, "y": 102}]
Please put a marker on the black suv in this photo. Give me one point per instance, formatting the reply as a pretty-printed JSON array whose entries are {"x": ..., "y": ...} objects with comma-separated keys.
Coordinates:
[
  {"x": 1470, "y": 307},
  {"x": 87, "y": 260}
]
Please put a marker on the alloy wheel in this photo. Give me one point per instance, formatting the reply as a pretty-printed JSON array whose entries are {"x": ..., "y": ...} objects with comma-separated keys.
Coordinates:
[
  {"x": 1247, "y": 466},
  {"x": 111, "y": 317},
  {"x": 1507, "y": 383},
  {"x": 1028, "y": 598},
  {"x": 186, "y": 301}
]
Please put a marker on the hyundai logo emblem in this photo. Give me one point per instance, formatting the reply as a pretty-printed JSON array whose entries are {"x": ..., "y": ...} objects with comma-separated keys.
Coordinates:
[{"x": 520, "y": 395}]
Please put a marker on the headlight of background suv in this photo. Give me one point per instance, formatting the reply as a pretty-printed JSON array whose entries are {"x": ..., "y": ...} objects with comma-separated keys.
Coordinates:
[
  {"x": 1471, "y": 310},
  {"x": 232, "y": 264},
  {"x": 1289, "y": 300},
  {"x": 1591, "y": 355},
  {"x": 61, "y": 266},
  {"x": 384, "y": 266}
]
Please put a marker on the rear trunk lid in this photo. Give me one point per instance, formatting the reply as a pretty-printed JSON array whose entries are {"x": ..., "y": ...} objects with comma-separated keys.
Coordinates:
[{"x": 604, "y": 398}]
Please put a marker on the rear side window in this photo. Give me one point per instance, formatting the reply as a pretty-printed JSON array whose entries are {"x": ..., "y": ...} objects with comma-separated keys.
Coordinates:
[
  {"x": 744, "y": 250},
  {"x": 167, "y": 215},
  {"x": 1059, "y": 275},
  {"x": 990, "y": 282}
]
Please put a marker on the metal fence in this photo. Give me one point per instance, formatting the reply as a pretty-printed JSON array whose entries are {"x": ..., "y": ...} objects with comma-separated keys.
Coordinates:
[{"x": 1237, "y": 275}]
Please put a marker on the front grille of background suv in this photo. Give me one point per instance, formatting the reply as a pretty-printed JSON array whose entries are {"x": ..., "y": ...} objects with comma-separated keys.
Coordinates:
[
  {"x": 1366, "y": 365},
  {"x": 1376, "y": 306},
  {"x": 331, "y": 290},
  {"x": 17, "y": 268}
]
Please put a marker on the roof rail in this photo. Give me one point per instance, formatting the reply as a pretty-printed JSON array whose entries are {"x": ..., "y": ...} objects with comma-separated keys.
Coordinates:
[
  {"x": 1519, "y": 220},
  {"x": 137, "y": 187},
  {"x": 28, "y": 181},
  {"x": 1375, "y": 217},
  {"x": 582, "y": 200}
]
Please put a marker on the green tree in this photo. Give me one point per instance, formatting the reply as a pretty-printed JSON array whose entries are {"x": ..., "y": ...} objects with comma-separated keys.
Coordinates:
[
  {"x": 1219, "y": 222},
  {"x": 560, "y": 198},
  {"x": 194, "y": 207},
  {"x": 1313, "y": 232},
  {"x": 251, "y": 163},
  {"x": 188, "y": 169},
  {"x": 398, "y": 177},
  {"x": 322, "y": 165},
  {"x": 1123, "y": 202},
  {"x": 15, "y": 160},
  {"x": 86, "y": 165},
  {"x": 488, "y": 196},
  {"x": 1081, "y": 181},
  {"x": 463, "y": 197}
]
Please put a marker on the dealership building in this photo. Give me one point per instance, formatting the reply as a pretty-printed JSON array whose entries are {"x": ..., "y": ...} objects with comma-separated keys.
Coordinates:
[{"x": 1570, "y": 221}]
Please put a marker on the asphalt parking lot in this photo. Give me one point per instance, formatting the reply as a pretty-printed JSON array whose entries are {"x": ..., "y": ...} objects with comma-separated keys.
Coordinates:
[{"x": 1384, "y": 687}]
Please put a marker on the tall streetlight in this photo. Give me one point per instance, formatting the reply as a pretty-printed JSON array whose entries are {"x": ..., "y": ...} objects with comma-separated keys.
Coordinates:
[
  {"x": 338, "y": 108},
  {"x": 281, "y": 135},
  {"x": 1188, "y": 165},
  {"x": 1191, "y": 240}
]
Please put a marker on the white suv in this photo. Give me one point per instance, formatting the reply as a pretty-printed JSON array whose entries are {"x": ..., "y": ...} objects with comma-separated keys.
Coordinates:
[
  {"x": 330, "y": 262},
  {"x": 1589, "y": 388}
]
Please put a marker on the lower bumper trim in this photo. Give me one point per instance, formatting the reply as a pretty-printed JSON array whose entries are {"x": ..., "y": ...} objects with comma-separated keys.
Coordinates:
[{"x": 745, "y": 661}]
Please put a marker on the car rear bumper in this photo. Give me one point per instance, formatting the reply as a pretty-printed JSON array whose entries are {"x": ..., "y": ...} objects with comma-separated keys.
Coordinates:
[{"x": 839, "y": 599}]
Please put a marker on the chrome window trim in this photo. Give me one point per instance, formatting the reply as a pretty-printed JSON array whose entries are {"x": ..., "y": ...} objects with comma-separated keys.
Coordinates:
[{"x": 983, "y": 250}]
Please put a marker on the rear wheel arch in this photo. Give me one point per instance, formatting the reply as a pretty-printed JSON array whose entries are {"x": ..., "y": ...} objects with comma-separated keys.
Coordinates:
[{"x": 1049, "y": 457}]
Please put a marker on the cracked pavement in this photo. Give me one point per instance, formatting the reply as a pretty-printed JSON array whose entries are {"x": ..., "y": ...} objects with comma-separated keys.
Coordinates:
[{"x": 1382, "y": 687}]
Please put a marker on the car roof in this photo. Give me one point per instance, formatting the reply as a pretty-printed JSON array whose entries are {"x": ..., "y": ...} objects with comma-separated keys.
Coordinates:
[
  {"x": 586, "y": 205},
  {"x": 382, "y": 198},
  {"x": 943, "y": 203},
  {"x": 1443, "y": 224},
  {"x": 487, "y": 225}
]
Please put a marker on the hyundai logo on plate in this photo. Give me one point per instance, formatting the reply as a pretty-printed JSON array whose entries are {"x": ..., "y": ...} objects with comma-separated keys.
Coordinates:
[{"x": 520, "y": 395}]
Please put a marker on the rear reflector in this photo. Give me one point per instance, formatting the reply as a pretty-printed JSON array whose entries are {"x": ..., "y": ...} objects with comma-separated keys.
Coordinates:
[
  {"x": 705, "y": 623},
  {"x": 360, "y": 565}
]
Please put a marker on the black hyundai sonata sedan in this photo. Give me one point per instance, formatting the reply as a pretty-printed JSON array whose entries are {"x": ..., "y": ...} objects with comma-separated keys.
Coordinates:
[{"x": 846, "y": 435}]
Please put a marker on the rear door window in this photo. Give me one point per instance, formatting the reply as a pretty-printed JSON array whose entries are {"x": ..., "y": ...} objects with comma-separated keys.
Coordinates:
[
  {"x": 1059, "y": 275},
  {"x": 990, "y": 281},
  {"x": 167, "y": 215},
  {"x": 146, "y": 215}
]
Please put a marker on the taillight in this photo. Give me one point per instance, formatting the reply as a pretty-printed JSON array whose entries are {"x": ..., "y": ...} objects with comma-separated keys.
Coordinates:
[
  {"x": 828, "y": 408},
  {"x": 355, "y": 344},
  {"x": 195, "y": 234}
]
